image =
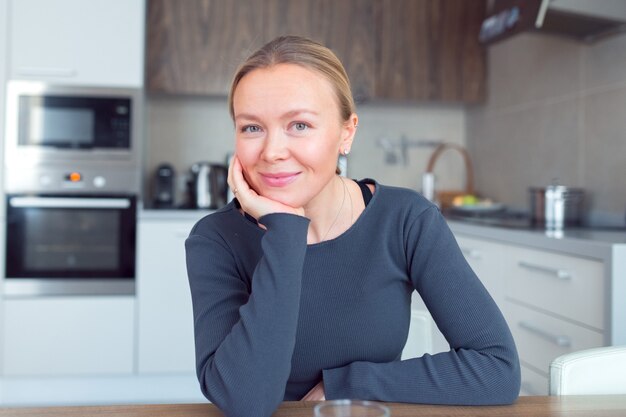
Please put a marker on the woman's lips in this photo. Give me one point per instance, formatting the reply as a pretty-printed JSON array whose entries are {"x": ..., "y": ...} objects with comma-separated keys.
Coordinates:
[{"x": 279, "y": 179}]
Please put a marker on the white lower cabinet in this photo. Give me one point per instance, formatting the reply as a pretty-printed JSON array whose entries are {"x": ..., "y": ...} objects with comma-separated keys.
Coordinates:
[
  {"x": 533, "y": 381},
  {"x": 420, "y": 337},
  {"x": 540, "y": 337},
  {"x": 554, "y": 305},
  {"x": 485, "y": 259},
  {"x": 166, "y": 338},
  {"x": 553, "y": 302},
  {"x": 567, "y": 286},
  {"x": 68, "y": 336}
]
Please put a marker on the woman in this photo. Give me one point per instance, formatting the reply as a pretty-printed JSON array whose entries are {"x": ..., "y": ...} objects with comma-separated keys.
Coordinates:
[{"x": 302, "y": 285}]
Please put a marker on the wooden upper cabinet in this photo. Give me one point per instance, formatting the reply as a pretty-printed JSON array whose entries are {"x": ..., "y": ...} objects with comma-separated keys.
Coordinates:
[
  {"x": 194, "y": 47},
  {"x": 423, "y": 50},
  {"x": 347, "y": 27},
  {"x": 429, "y": 50}
]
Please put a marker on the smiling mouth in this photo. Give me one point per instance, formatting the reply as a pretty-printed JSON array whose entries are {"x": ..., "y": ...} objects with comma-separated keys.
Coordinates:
[{"x": 280, "y": 179}]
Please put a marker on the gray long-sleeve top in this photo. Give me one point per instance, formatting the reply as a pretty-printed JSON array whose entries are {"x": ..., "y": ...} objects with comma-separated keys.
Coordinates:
[{"x": 273, "y": 315}]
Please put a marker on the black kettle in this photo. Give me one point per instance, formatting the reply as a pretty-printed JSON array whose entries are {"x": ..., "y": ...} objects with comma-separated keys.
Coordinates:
[{"x": 207, "y": 185}]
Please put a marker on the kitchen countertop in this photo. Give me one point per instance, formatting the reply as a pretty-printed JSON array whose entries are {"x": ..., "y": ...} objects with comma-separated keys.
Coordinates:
[
  {"x": 586, "y": 242},
  {"x": 173, "y": 214}
]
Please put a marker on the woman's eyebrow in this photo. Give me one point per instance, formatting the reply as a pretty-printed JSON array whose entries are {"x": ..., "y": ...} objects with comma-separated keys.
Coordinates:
[
  {"x": 297, "y": 112},
  {"x": 246, "y": 116},
  {"x": 289, "y": 114}
]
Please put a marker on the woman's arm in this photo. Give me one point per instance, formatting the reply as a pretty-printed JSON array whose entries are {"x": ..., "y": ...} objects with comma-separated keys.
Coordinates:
[
  {"x": 245, "y": 336},
  {"x": 482, "y": 366}
]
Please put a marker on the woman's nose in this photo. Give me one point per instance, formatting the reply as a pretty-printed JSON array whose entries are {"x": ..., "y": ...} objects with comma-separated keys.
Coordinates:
[{"x": 275, "y": 147}]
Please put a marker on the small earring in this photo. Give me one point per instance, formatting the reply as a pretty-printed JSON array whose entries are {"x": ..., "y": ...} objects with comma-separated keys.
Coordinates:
[{"x": 346, "y": 151}]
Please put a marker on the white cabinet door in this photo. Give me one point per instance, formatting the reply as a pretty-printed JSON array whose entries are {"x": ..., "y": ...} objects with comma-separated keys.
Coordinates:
[
  {"x": 88, "y": 42},
  {"x": 3, "y": 78},
  {"x": 541, "y": 338},
  {"x": 570, "y": 287},
  {"x": 485, "y": 258},
  {"x": 166, "y": 340},
  {"x": 66, "y": 336},
  {"x": 420, "y": 338}
]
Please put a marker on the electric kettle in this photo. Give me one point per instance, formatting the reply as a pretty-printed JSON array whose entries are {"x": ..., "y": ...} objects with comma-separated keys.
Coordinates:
[{"x": 207, "y": 185}]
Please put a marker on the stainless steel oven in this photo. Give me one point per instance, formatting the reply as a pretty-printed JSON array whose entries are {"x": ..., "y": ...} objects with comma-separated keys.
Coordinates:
[
  {"x": 70, "y": 244},
  {"x": 72, "y": 178}
]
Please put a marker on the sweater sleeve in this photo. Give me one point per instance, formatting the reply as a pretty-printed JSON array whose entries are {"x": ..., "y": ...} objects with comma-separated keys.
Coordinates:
[
  {"x": 245, "y": 337},
  {"x": 482, "y": 366}
]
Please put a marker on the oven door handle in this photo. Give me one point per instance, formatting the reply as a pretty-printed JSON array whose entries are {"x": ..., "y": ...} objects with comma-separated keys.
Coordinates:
[{"x": 69, "y": 202}]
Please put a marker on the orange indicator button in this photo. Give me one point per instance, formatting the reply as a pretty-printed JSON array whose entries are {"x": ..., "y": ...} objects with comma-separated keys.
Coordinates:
[{"x": 75, "y": 177}]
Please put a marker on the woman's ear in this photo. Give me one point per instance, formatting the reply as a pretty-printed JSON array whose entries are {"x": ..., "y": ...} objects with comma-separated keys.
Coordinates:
[{"x": 347, "y": 134}]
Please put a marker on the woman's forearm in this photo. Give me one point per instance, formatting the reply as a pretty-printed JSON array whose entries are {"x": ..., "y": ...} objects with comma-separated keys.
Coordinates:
[{"x": 245, "y": 337}]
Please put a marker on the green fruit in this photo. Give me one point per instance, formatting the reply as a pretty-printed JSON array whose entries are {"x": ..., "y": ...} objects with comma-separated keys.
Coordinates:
[{"x": 469, "y": 200}]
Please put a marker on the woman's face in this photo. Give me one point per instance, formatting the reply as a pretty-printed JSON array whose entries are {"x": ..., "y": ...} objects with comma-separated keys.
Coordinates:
[{"x": 289, "y": 132}]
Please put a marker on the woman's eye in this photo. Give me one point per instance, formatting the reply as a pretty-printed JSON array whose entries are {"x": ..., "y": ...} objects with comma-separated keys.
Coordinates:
[
  {"x": 251, "y": 129},
  {"x": 300, "y": 126}
]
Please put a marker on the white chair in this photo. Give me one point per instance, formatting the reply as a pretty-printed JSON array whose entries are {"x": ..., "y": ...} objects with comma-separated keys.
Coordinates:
[{"x": 595, "y": 371}]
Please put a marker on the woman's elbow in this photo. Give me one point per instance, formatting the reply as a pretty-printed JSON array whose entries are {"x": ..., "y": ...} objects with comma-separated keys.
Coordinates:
[
  {"x": 507, "y": 384},
  {"x": 235, "y": 401}
]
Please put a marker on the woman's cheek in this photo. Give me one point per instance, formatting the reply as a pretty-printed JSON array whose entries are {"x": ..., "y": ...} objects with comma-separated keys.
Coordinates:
[{"x": 246, "y": 156}]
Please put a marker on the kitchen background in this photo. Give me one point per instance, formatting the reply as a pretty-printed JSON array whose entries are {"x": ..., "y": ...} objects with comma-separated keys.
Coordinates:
[
  {"x": 531, "y": 109},
  {"x": 551, "y": 113},
  {"x": 555, "y": 110},
  {"x": 180, "y": 130}
]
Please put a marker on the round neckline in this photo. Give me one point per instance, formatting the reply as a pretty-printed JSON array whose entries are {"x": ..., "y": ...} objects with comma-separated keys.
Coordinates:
[{"x": 354, "y": 225}]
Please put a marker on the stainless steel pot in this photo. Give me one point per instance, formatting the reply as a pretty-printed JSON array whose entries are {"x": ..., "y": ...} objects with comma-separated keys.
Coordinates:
[{"x": 556, "y": 206}]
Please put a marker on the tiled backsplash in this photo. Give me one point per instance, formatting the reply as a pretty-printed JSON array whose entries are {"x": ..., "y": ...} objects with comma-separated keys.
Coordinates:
[
  {"x": 556, "y": 110},
  {"x": 184, "y": 130}
]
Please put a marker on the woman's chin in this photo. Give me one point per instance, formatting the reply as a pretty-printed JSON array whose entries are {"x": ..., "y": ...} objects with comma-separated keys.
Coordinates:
[{"x": 282, "y": 198}]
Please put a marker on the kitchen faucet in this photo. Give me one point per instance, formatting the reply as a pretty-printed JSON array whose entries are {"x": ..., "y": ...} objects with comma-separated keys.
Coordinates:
[
  {"x": 444, "y": 198},
  {"x": 404, "y": 143}
]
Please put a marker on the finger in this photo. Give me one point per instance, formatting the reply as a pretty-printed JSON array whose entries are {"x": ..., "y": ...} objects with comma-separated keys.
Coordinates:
[
  {"x": 244, "y": 192},
  {"x": 235, "y": 177},
  {"x": 310, "y": 396},
  {"x": 229, "y": 179}
]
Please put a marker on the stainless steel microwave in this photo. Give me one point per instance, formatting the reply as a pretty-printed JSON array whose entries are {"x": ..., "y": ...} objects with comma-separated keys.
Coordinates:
[{"x": 73, "y": 127}]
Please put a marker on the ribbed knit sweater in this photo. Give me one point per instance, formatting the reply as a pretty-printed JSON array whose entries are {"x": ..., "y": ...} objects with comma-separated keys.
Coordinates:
[{"x": 273, "y": 316}]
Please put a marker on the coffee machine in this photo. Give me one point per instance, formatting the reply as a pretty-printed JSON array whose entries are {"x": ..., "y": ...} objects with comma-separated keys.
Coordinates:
[{"x": 163, "y": 186}]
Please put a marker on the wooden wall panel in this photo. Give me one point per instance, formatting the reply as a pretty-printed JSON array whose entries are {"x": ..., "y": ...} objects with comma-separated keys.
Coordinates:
[
  {"x": 346, "y": 27},
  {"x": 417, "y": 50},
  {"x": 195, "y": 46}
]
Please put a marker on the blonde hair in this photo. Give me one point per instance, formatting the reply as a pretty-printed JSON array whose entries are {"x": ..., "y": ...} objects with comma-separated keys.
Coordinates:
[{"x": 306, "y": 53}]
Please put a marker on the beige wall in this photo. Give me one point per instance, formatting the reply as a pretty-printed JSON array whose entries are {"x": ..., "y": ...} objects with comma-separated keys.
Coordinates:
[
  {"x": 183, "y": 130},
  {"x": 556, "y": 110}
]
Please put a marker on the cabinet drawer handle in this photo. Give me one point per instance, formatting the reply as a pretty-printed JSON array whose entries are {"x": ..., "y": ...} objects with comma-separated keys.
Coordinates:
[
  {"x": 559, "y": 340},
  {"x": 471, "y": 253},
  {"x": 46, "y": 72},
  {"x": 558, "y": 273}
]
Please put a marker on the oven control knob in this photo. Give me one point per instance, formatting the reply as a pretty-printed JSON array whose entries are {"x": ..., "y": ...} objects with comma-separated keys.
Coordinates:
[{"x": 99, "y": 181}]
